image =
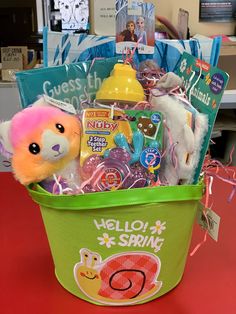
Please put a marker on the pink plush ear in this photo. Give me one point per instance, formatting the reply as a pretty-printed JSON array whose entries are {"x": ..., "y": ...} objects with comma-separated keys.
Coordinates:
[
  {"x": 6, "y": 148},
  {"x": 25, "y": 121}
]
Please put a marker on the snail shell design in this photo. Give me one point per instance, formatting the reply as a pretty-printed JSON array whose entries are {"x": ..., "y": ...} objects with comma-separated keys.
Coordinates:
[{"x": 124, "y": 278}]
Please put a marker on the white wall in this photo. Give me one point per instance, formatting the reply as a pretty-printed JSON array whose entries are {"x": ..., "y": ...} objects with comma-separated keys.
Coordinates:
[
  {"x": 39, "y": 5},
  {"x": 170, "y": 8},
  {"x": 9, "y": 105}
]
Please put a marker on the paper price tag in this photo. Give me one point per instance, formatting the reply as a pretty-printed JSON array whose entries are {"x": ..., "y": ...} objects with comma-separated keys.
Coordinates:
[
  {"x": 209, "y": 221},
  {"x": 104, "y": 17},
  {"x": 60, "y": 104}
]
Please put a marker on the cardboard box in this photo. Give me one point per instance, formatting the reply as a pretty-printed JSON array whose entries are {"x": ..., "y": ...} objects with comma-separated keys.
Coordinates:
[
  {"x": 9, "y": 74},
  {"x": 227, "y": 63},
  {"x": 12, "y": 58},
  {"x": 24, "y": 51},
  {"x": 16, "y": 58},
  {"x": 228, "y": 48}
]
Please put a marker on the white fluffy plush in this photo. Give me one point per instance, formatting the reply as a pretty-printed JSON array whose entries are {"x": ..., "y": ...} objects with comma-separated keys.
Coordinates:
[{"x": 187, "y": 143}]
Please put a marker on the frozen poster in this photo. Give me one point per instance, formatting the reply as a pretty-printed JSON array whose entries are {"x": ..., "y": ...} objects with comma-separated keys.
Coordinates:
[
  {"x": 135, "y": 27},
  {"x": 74, "y": 14}
]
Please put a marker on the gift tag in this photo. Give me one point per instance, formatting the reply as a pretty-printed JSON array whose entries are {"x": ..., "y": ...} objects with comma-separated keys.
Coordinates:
[
  {"x": 209, "y": 222},
  {"x": 60, "y": 104}
]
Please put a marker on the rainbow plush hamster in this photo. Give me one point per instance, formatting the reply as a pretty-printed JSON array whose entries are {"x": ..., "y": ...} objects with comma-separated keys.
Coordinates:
[{"x": 40, "y": 141}]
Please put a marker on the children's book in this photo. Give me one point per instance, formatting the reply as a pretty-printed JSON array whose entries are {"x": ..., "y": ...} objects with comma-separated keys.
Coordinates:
[
  {"x": 205, "y": 86},
  {"x": 71, "y": 83}
]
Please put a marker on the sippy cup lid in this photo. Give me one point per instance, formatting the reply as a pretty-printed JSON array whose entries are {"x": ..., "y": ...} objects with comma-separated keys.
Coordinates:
[{"x": 121, "y": 85}]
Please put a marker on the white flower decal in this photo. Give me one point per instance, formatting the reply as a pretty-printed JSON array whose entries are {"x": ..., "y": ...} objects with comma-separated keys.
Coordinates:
[
  {"x": 106, "y": 240},
  {"x": 183, "y": 65},
  {"x": 158, "y": 228}
]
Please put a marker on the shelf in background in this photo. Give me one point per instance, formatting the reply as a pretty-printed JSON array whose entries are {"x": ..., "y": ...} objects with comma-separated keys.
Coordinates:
[
  {"x": 228, "y": 48},
  {"x": 229, "y": 99}
]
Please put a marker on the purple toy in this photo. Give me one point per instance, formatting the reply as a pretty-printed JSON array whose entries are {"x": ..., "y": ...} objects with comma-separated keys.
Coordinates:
[{"x": 113, "y": 172}]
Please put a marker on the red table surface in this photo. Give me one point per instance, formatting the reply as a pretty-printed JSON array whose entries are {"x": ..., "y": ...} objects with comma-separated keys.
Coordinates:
[{"x": 28, "y": 283}]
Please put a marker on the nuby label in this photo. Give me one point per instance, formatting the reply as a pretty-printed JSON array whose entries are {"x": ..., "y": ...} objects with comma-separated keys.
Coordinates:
[
  {"x": 139, "y": 133},
  {"x": 99, "y": 129}
]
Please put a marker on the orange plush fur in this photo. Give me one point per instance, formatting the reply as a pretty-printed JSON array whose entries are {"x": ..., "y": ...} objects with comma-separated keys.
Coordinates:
[{"x": 42, "y": 129}]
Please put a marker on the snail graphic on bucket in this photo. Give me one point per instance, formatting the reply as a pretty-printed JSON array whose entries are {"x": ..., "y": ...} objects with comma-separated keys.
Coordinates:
[{"x": 124, "y": 278}]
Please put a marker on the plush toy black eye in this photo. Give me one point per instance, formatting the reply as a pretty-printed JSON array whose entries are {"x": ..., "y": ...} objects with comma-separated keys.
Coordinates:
[
  {"x": 60, "y": 128},
  {"x": 34, "y": 148}
]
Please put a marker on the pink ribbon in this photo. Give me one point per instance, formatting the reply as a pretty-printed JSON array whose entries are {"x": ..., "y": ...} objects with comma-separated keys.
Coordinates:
[{"x": 211, "y": 170}]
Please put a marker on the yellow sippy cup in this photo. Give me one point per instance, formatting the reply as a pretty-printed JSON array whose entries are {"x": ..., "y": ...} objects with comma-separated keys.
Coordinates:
[{"x": 121, "y": 86}]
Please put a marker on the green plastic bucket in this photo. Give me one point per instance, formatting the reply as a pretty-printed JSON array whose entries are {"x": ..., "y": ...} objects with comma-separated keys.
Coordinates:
[{"x": 121, "y": 247}]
